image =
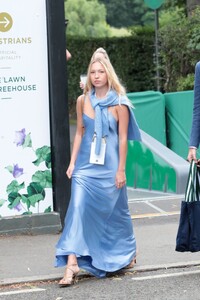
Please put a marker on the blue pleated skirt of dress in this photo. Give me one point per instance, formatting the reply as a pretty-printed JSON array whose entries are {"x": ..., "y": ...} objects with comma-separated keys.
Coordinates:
[{"x": 98, "y": 227}]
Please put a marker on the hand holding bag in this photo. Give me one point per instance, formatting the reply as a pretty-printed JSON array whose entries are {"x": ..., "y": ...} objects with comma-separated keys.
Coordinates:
[{"x": 188, "y": 235}]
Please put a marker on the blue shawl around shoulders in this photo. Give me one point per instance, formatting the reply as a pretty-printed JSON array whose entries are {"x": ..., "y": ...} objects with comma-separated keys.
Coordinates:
[{"x": 100, "y": 107}]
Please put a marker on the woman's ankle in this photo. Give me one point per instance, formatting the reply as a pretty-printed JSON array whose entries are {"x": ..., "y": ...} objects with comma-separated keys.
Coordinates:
[{"x": 72, "y": 260}]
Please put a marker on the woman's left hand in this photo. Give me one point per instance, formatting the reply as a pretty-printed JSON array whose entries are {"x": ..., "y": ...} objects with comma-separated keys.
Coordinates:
[{"x": 120, "y": 179}]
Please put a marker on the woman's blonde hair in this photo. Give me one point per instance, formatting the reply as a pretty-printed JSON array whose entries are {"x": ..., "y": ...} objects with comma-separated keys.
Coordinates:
[
  {"x": 113, "y": 80},
  {"x": 99, "y": 53}
]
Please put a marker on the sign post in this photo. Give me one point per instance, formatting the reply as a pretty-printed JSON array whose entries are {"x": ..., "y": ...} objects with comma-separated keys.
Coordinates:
[
  {"x": 59, "y": 114},
  {"x": 155, "y": 4}
]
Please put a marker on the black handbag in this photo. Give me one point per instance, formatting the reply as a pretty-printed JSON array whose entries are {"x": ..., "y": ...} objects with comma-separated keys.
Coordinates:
[{"x": 188, "y": 235}]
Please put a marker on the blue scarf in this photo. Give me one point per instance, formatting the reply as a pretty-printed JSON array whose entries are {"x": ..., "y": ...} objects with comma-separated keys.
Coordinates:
[{"x": 101, "y": 126}]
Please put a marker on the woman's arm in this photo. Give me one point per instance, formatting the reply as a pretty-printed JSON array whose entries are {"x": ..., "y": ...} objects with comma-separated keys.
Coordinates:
[
  {"x": 68, "y": 55},
  {"x": 78, "y": 135},
  {"x": 123, "y": 120},
  {"x": 195, "y": 130}
]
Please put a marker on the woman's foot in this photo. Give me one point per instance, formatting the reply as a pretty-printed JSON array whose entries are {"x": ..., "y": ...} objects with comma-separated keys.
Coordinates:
[
  {"x": 132, "y": 264},
  {"x": 70, "y": 275}
]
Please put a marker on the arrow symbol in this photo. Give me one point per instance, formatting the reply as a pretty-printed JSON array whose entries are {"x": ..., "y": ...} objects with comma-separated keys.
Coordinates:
[{"x": 6, "y": 22}]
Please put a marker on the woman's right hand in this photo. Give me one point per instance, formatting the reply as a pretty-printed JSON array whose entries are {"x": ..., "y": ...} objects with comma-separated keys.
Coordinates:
[{"x": 70, "y": 171}]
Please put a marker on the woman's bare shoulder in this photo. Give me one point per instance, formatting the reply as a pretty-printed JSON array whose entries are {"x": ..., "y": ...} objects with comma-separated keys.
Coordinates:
[
  {"x": 80, "y": 101},
  {"x": 121, "y": 107},
  {"x": 80, "y": 98}
]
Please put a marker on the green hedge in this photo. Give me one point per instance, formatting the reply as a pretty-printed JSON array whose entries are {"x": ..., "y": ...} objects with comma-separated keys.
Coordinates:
[{"x": 132, "y": 58}]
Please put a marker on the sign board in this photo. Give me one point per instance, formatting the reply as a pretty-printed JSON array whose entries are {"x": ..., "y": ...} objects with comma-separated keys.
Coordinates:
[
  {"x": 25, "y": 160},
  {"x": 154, "y": 4}
]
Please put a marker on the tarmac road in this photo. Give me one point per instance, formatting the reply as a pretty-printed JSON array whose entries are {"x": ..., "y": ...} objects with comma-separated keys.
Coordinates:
[{"x": 158, "y": 285}]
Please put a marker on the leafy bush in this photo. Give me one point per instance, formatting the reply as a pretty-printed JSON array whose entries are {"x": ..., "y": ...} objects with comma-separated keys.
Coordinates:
[
  {"x": 179, "y": 48},
  {"x": 185, "y": 83}
]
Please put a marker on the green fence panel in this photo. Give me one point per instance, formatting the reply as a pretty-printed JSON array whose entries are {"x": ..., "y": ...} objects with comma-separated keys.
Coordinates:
[
  {"x": 151, "y": 165},
  {"x": 179, "y": 107},
  {"x": 149, "y": 171},
  {"x": 150, "y": 113},
  {"x": 163, "y": 119}
]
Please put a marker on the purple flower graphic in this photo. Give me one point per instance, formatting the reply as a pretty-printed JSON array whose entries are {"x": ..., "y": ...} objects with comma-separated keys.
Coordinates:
[
  {"x": 20, "y": 137},
  {"x": 17, "y": 171},
  {"x": 18, "y": 207},
  {"x": 41, "y": 179}
]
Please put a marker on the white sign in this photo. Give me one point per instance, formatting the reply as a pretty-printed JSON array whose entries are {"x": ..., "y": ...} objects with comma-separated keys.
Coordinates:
[{"x": 25, "y": 161}]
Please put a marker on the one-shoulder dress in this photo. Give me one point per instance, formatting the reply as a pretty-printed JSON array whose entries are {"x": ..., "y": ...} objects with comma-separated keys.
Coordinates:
[{"x": 98, "y": 227}]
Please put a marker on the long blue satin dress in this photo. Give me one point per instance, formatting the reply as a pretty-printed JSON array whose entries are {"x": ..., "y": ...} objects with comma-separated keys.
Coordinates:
[{"x": 98, "y": 227}]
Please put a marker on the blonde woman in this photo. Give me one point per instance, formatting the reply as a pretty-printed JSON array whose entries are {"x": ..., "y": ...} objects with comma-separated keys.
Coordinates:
[
  {"x": 98, "y": 233},
  {"x": 99, "y": 53}
]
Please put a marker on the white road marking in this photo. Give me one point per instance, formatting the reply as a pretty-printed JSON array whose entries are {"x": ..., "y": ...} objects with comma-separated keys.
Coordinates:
[
  {"x": 151, "y": 215},
  {"x": 166, "y": 275},
  {"x": 155, "y": 207},
  {"x": 22, "y": 292},
  {"x": 155, "y": 198}
]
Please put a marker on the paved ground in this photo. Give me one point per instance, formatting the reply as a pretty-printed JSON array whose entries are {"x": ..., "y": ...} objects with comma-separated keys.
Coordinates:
[
  {"x": 155, "y": 219},
  {"x": 146, "y": 204}
]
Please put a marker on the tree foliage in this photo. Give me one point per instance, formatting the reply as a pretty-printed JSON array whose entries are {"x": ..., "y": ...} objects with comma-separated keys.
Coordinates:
[
  {"x": 87, "y": 18},
  {"x": 173, "y": 3},
  {"x": 191, "y": 5},
  {"x": 188, "y": 5},
  {"x": 180, "y": 48},
  {"x": 125, "y": 13},
  {"x": 170, "y": 5}
]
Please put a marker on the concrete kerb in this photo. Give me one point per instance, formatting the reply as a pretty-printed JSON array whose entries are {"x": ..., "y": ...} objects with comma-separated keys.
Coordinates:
[
  {"x": 42, "y": 223},
  {"x": 82, "y": 274}
]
